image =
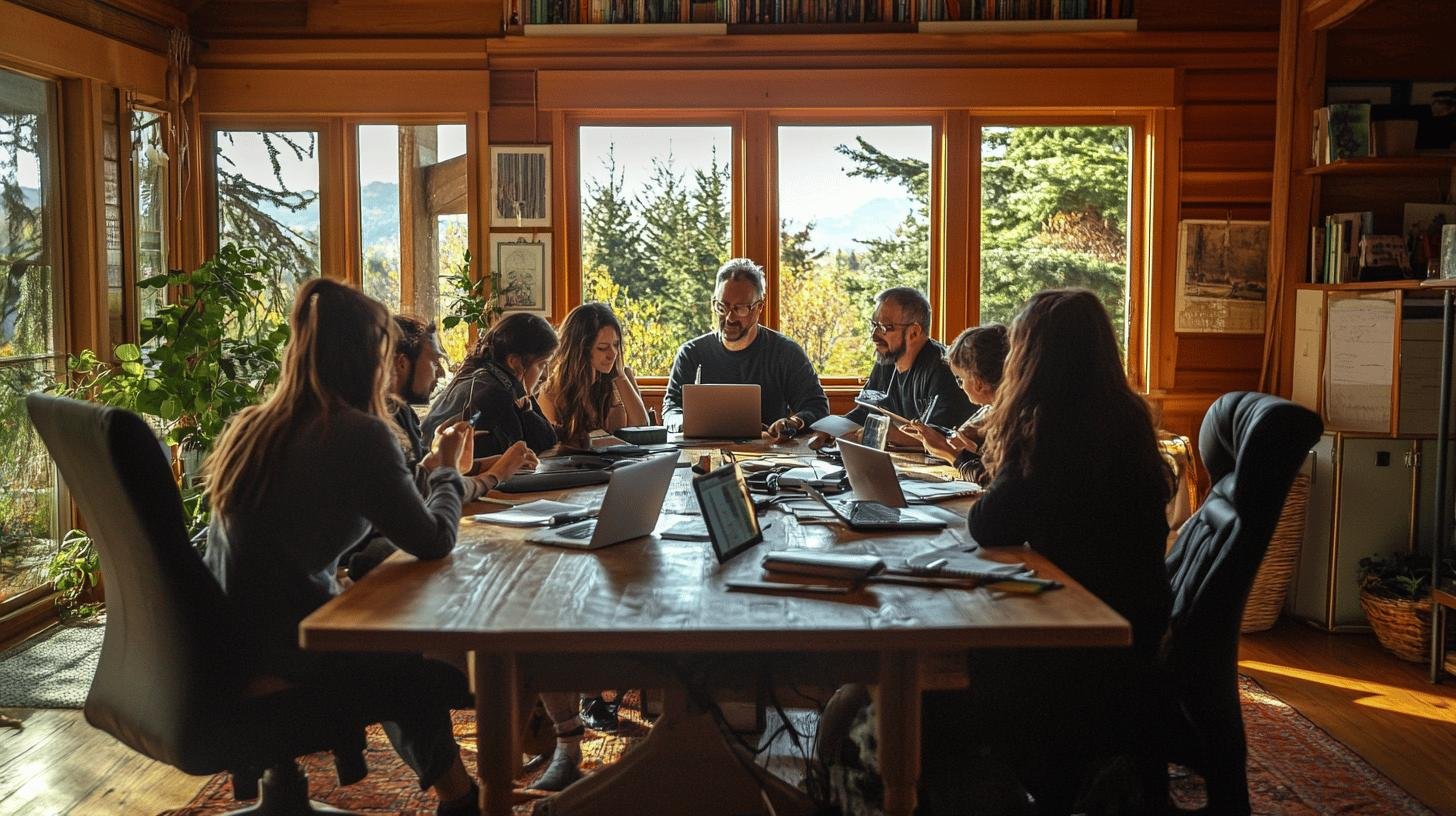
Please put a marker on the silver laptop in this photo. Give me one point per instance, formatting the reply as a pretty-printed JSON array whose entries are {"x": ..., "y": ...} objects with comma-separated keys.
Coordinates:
[
  {"x": 872, "y": 476},
  {"x": 722, "y": 411},
  {"x": 629, "y": 510}
]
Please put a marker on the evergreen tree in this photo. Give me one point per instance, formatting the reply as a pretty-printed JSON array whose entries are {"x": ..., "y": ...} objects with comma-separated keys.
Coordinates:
[
  {"x": 612, "y": 231},
  {"x": 903, "y": 259}
]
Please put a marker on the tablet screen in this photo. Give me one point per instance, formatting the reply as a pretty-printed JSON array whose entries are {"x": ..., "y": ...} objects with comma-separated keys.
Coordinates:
[{"x": 727, "y": 511}]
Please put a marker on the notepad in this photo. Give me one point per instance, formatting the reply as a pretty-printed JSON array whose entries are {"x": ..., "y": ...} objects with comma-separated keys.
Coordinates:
[
  {"x": 530, "y": 514},
  {"x": 962, "y": 564}
]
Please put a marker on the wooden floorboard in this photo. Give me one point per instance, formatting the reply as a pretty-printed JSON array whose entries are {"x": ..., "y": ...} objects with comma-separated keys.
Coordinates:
[{"x": 1379, "y": 706}]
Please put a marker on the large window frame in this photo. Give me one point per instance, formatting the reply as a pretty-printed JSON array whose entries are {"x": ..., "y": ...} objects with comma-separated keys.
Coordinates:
[{"x": 955, "y": 196}]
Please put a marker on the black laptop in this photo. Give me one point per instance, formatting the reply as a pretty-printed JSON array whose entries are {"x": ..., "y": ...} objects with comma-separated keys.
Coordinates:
[{"x": 858, "y": 514}]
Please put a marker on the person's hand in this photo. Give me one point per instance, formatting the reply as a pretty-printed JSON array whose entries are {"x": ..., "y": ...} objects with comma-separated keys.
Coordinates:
[
  {"x": 785, "y": 429},
  {"x": 934, "y": 442},
  {"x": 967, "y": 439},
  {"x": 466, "y": 458},
  {"x": 510, "y": 463},
  {"x": 819, "y": 439},
  {"x": 451, "y": 443}
]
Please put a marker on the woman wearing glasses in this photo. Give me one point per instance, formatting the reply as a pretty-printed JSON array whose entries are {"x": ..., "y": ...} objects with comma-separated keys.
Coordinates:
[
  {"x": 742, "y": 351},
  {"x": 588, "y": 387}
]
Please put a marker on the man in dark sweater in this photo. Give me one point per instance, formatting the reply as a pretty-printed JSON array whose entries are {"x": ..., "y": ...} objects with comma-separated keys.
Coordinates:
[
  {"x": 910, "y": 371},
  {"x": 742, "y": 351}
]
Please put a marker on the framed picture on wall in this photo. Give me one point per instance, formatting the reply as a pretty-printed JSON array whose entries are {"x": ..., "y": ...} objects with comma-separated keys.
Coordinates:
[
  {"x": 520, "y": 186},
  {"x": 1223, "y": 272},
  {"x": 520, "y": 267}
]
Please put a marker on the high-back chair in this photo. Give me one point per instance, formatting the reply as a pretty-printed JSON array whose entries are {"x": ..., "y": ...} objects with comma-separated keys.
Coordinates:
[
  {"x": 1252, "y": 445},
  {"x": 170, "y": 682}
]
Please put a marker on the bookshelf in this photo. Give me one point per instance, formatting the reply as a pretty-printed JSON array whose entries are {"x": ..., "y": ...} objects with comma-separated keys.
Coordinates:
[
  {"x": 664, "y": 17},
  {"x": 1395, "y": 44}
]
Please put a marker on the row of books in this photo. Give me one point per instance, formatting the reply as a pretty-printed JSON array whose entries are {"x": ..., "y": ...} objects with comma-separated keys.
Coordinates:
[
  {"x": 557, "y": 12},
  {"x": 1345, "y": 250}
]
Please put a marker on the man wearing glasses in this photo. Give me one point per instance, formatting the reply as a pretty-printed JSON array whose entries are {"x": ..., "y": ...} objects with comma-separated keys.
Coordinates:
[
  {"x": 910, "y": 377},
  {"x": 742, "y": 351}
]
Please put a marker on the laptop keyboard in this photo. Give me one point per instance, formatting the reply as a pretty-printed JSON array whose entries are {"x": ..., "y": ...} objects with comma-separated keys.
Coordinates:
[
  {"x": 862, "y": 512},
  {"x": 578, "y": 532}
]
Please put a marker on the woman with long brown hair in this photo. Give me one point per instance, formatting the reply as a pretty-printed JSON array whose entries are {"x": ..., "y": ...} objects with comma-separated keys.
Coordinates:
[
  {"x": 296, "y": 481},
  {"x": 1076, "y": 476},
  {"x": 589, "y": 387}
]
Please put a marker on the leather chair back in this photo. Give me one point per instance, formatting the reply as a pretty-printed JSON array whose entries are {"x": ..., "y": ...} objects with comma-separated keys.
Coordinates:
[
  {"x": 1253, "y": 445},
  {"x": 166, "y": 666}
]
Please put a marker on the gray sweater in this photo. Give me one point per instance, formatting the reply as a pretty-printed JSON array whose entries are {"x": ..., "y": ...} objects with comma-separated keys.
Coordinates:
[
  {"x": 787, "y": 383},
  {"x": 333, "y": 481}
]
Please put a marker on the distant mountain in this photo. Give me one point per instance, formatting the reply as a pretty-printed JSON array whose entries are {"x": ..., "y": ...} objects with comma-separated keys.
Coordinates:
[
  {"x": 876, "y": 218},
  {"x": 379, "y": 213}
]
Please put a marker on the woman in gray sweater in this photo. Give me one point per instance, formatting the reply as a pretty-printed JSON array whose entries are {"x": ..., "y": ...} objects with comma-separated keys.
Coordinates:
[{"x": 296, "y": 481}]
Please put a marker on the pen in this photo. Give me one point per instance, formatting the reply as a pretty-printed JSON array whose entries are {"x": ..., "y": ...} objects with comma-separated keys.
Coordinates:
[
  {"x": 929, "y": 409},
  {"x": 698, "y": 378},
  {"x": 501, "y": 502}
]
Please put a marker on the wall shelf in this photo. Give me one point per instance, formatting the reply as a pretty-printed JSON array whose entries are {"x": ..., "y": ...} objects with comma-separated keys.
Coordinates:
[
  {"x": 1023, "y": 26},
  {"x": 1385, "y": 166},
  {"x": 1358, "y": 286}
]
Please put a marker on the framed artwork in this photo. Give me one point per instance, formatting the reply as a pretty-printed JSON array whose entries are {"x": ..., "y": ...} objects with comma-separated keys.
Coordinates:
[
  {"x": 1223, "y": 270},
  {"x": 520, "y": 265},
  {"x": 520, "y": 186}
]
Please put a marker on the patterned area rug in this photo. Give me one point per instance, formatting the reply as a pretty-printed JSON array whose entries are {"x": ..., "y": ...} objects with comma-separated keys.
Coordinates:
[
  {"x": 52, "y": 669},
  {"x": 1294, "y": 769}
]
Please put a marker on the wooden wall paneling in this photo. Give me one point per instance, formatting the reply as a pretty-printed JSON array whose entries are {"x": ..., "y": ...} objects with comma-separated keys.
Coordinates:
[
  {"x": 345, "y": 92},
  {"x": 1228, "y": 86},
  {"x": 82, "y": 274},
  {"x": 54, "y": 47},
  {"x": 1181, "y": 15},
  {"x": 1163, "y": 242},
  {"x": 1142, "y": 202},
  {"x": 400, "y": 53},
  {"x": 480, "y": 17},
  {"x": 1225, "y": 186},
  {"x": 117, "y": 24},
  {"x": 1228, "y": 154},
  {"x": 1246, "y": 120},
  {"x": 960, "y": 227},
  {"x": 192, "y": 165},
  {"x": 352, "y": 241},
  {"x": 809, "y": 89},
  {"x": 758, "y": 164}
]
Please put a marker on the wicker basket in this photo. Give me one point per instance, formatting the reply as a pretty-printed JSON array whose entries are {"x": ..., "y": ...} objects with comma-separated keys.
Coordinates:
[
  {"x": 1271, "y": 583},
  {"x": 1401, "y": 625}
]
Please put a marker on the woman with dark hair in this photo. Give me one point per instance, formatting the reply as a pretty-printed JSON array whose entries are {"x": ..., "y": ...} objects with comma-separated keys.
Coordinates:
[
  {"x": 494, "y": 385},
  {"x": 588, "y": 387},
  {"x": 1076, "y": 475},
  {"x": 977, "y": 358},
  {"x": 296, "y": 481}
]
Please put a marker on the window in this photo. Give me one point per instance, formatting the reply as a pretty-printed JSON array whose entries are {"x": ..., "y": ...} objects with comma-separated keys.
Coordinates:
[
  {"x": 113, "y": 221},
  {"x": 412, "y": 219},
  {"x": 268, "y": 200},
  {"x": 29, "y": 248},
  {"x": 1054, "y": 212},
  {"x": 149, "y": 203},
  {"x": 854, "y": 218},
  {"x": 656, "y": 216}
]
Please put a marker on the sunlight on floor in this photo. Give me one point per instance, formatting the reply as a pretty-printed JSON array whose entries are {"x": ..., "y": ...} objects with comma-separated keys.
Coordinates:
[{"x": 1431, "y": 705}]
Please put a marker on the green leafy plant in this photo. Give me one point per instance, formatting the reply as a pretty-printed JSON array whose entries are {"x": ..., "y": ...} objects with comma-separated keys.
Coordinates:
[
  {"x": 476, "y": 302},
  {"x": 215, "y": 350},
  {"x": 73, "y": 570},
  {"x": 1400, "y": 575}
]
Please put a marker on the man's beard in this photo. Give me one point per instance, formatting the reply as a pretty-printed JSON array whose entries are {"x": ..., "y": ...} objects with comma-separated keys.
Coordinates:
[
  {"x": 889, "y": 355},
  {"x": 731, "y": 332}
]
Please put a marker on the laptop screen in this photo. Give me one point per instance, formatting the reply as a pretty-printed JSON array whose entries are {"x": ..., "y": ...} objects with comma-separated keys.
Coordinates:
[
  {"x": 876, "y": 431},
  {"x": 727, "y": 511}
]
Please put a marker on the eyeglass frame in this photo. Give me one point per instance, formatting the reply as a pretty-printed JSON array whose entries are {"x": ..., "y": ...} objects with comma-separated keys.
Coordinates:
[
  {"x": 886, "y": 328},
  {"x": 739, "y": 310}
]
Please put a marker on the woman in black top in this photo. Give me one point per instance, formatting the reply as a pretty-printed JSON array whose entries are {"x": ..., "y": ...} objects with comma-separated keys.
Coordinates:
[
  {"x": 495, "y": 385},
  {"x": 296, "y": 481},
  {"x": 1076, "y": 475}
]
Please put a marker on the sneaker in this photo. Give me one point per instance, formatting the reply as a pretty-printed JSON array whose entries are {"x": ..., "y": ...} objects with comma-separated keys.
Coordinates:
[{"x": 600, "y": 715}]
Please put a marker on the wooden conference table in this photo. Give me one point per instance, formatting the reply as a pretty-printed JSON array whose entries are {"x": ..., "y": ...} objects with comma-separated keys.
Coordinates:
[{"x": 536, "y": 618}]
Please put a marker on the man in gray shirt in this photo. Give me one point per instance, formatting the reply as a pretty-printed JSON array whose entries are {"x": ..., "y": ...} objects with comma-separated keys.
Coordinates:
[{"x": 742, "y": 351}]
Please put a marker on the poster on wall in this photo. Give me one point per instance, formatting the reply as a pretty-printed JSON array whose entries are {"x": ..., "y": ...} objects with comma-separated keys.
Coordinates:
[
  {"x": 520, "y": 186},
  {"x": 523, "y": 264},
  {"x": 1223, "y": 269}
]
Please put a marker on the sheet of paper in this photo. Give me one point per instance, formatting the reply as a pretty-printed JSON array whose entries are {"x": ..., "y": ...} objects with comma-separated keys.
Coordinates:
[
  {"x": 530, "y": 514},
  {"x": 1359, "y": 362}
]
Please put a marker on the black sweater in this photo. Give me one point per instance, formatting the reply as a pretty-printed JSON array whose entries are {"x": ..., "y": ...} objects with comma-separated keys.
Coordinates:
[
  {"x": 908, "y": 393},
  {"x": 787, "y": 383},
  {"x": 493, "y": 391}
]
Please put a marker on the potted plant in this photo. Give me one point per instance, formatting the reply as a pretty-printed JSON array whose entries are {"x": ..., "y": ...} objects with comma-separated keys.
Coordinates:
[
  {"x": 1395, "y": 592},
  {"x": 75, "y": 571}
]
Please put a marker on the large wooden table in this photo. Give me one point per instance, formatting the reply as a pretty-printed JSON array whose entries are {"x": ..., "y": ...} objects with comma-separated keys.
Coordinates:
[{"x": 537, "y": 618}]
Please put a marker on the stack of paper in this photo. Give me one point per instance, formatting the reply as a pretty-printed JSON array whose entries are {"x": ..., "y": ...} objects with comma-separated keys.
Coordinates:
[{"x": 531, "y": 514}]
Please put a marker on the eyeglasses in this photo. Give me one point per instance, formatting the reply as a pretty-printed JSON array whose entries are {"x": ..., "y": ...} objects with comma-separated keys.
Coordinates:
[
  {"x": 736, "y": 309},
  {"x": 886, "y": 328}
]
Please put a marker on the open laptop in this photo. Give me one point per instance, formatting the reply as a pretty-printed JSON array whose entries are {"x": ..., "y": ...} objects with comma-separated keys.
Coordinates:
[
  {"x": 629, "y": 510},
  {"x": 858, "y": 514},
  {"x": 722, "y": 411},
  {"x": 872, "y": 476}
]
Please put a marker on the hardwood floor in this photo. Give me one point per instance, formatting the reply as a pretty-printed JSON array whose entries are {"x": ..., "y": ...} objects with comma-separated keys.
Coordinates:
[{"x": 1379, "y": 706}]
